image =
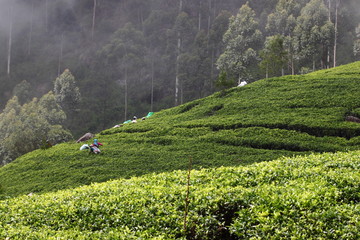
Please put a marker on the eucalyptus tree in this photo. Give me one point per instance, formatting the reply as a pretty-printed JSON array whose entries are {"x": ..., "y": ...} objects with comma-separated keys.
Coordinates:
[
  {"x": 241, "y": 40},
  {"x": 217, "y": 30},
  {"x": 93, "y": 20},
  {"x": 67, "y": 94},
  {"x": 10, "y": 35},
  {"x": 194, "y": 68},
  {"x": 184, "y": 30},
  {"x": 27, "y": 127},
  {"x": 357, "y": 43},
  {"x": 282, "y": 22},
  {"x": 156, "y": 28},
  {"x": 8, "y": 124},
  {"x": 337, "y": 5},
  {"x": 31, "y": 27},
  {"x": 126, "y": 51},
  {"x": 273, "y": 56},
  {"x": 23, "y": 91},
  {"x": 314, "y": 33}
]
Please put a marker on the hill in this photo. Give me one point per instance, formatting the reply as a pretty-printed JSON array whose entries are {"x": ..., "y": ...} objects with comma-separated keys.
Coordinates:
[
  {"x": 262, "y": 121},
  {"x": 312, "y": 197}
]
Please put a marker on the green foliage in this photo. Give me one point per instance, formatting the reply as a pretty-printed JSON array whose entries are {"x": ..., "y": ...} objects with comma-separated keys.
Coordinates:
[
  {"x": 313, "y": 32},
  {"x": 273, "y": 56},
  {"x": 283, "y": 20},
  {"x": 241, "y": 40},
  {"x": 235, "y": 191},
  {"x": 66, "y": 92},
  {"x": 223, "y": 82},
  {"x": 303, "y": 197},
  {"x": 63, "y": 39},
  {"x": 23, "y": 91},
  {"x": 262, "y": 121},
  {"x": 356, "y": 47},
  {"x": 24, "y": 128}
]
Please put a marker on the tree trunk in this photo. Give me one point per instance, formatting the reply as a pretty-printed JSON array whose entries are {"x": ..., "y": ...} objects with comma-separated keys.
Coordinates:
[
  {"x": 93, "y": 21},
  {"x": 336, "y": 29},
  {"x": 291, "y": 52},
  {"x": 328, "y": 47},
  {"x": 126, "y": 84},
  {"x": 180, "y": 6},
  {"x": 212, "y": 68},
  {"x": 31, "y": 27},
  {"x": 181, "y": 93},
  {"x": 177, "y": 80},
  {"x": 46, "y": 15},
  {"x": 313, "y": 65},
  {"x": 267, "y": 71},
  {"x": 141, "y": 17},
  {"x": 152, "y": 84},
  {"x": 126, "y": 93},
  {"x": 209, "y": 18},
  {"x": 10, "y": 38},
  {"x": 199, "y": 17},
  {"x": 60, "y": 53}
]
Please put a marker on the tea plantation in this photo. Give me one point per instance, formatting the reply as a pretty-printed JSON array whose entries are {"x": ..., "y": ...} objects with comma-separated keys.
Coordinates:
[
  {"x": 312, "y": 197},
  {"x": 237, "y": 189}
]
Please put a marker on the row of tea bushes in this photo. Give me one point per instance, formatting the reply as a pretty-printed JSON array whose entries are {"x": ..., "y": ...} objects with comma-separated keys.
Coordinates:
[
  {"x": 144, "y": 148},
  {"x": 264, "y": 120},
  {"x": 313, "y": 197}
]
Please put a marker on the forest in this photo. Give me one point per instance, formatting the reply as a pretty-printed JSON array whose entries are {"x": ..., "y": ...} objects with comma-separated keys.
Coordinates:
[{"x": 71, "y": 67}]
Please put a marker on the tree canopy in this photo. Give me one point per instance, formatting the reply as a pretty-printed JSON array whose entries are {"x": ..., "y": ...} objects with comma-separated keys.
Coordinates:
[
  {"x": 24, "y": 128},
  {"x": 127, "y": 58}
]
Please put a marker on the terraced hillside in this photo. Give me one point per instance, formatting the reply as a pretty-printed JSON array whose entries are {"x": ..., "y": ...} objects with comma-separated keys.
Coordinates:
[
  {"x": 311, "y": 197},
  {"x": 262, "y": 121}
]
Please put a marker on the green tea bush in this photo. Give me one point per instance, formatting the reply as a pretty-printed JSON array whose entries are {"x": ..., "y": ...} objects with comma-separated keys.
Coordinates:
[
  {"x": 313, "y": 197},
  {"x": 188, "y": 106},
  {"x": 262, "y": 121}
]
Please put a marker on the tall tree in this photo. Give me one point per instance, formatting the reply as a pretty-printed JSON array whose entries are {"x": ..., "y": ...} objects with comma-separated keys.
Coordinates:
[
  {"x": 23, "y": 91},
  {"x": 93, "y": 20},
  {"x": 61, "y": 50},
  {"x": 67, "y": 93},
  {"x": 194, "y": 69},
  {"x": 184, "y": 34},
  {"x": 242, "y": 40},
  {"x": 126, "y": 49},
  {"x": 282, "y": 22},
  {"x": 46, "y": 16},
  {"x": 31, "y": 27},
  {"x": 337, "y": 4},
  {"x": 273, "y": 56},
  {"x": 11, "y": 10},
  {"x": 357, "y": 43},
  {"x": 313, "y": 32},
  {"x": 216, "y": 45},
  {"x": 156, "y": 32},
  {"x": 27, "y": 127}
]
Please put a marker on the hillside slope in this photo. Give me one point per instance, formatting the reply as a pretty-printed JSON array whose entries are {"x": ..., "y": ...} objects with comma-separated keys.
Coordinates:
[
  {"x": 312, "y": 197},
  {"x": 262, "y": 121}
]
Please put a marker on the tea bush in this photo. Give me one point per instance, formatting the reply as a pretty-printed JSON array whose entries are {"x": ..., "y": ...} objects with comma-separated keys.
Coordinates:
[
  {"x": 262, "y": 121},
  {"x": 313, "y": 197}
]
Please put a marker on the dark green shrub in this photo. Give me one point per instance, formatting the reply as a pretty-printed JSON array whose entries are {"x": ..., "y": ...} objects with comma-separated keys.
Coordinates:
[{"x": 188, "y": 107}]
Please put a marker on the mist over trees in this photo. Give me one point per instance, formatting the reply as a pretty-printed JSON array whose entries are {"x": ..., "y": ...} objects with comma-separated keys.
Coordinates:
[{"x": 129, "y": 57}]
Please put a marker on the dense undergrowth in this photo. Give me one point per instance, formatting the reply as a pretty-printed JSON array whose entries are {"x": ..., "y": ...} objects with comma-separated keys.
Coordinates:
[
  {"x": 262, "y": 121},
  {"x": 312, "y": 197}
]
